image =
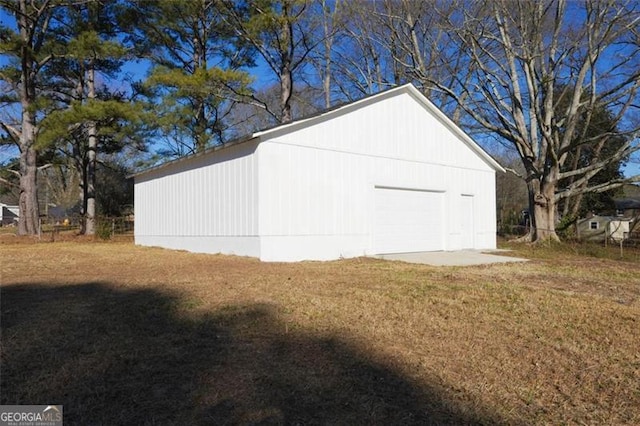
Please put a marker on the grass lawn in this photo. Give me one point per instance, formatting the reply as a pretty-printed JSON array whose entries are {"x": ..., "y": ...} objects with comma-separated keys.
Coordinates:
[{"x": 128, "y": 335}]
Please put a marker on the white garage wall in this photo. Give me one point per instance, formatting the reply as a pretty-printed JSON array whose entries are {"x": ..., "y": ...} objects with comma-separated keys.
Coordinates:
[
  {"x": 399, "y": 128},
  {"x": 481, "y": 186},
  {"x": 306, "y": 191},
  {"x": 206, "y": 204},
  {"x": 319, "y": 204},
  {"x": 307, "y": 211}
]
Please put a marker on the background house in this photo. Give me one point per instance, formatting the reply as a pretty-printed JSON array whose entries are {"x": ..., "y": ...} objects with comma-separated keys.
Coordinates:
[
  {"x": 386, "y": 174},
  {"x": 10, "y": 214},
  {"x": 599, "y": 228}
]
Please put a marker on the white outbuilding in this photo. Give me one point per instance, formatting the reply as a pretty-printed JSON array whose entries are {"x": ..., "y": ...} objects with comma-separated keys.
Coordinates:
[{"x": 389, "y": 173}]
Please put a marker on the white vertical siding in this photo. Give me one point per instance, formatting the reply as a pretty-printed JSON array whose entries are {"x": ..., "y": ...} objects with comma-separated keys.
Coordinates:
[
  {"x": 399, "y": 128},
  {"x": 201, "y": 203},
  {"x": 306, "y": 191},
  {"x": 318, "y": 204},
  {"x": 317, "y": 183}
]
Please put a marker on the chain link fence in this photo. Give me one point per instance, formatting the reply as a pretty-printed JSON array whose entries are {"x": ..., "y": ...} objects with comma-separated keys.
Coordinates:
[{"x": 602, "y": 236}]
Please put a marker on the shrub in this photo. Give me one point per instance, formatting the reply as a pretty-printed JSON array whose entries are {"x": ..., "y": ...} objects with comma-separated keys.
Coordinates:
[{"x": 103, "y": 230}]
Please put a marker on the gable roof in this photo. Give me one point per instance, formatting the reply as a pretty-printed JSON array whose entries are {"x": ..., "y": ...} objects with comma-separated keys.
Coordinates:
[{"x": 342, "y": 109}]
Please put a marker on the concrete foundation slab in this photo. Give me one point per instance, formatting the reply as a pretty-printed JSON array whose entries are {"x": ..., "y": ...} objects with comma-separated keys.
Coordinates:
[{"x": 452, "y": 258}]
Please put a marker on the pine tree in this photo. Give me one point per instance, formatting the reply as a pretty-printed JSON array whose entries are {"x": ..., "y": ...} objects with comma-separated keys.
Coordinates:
[
  {"x": 88, "y": 117},
  {"x": 29, "y": 47},
  {"x": 196, "y": 67}
]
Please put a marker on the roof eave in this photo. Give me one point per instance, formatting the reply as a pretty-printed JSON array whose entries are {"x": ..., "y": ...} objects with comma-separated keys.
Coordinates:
[
  {"x": 454, "y": 127},
  {"x": 207, "y": 151}
]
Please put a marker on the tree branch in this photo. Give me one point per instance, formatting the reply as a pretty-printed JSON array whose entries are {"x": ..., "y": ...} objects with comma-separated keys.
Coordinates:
[
  {"x": 9, "y": 183},
  {"x": 603, "y": 187}
]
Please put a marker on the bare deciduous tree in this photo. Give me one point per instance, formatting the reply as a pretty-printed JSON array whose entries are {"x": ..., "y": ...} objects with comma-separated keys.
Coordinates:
[
  {"x": 527, "y": 60},
  {"x": 361, "y": 63},
  {"x": 331, "y": 16},
  {"x": 283, "y": 33}
]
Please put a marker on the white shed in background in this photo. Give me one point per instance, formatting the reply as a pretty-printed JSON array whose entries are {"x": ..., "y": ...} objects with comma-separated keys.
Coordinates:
[{"x": 386, "y": 174}]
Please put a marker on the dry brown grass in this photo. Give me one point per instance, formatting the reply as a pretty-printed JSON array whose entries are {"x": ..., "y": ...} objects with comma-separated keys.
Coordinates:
[{"x": 128, "y": 335}]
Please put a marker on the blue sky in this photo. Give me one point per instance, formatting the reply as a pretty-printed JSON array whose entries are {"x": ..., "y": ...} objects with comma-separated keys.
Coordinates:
[{"x": 137, "y": 70}]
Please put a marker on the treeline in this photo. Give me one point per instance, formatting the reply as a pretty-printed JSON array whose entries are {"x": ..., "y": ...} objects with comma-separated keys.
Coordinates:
[{"x": 554, "y": 82}]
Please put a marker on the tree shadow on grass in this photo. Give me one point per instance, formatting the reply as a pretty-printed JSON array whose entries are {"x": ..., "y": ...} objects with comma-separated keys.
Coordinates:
[{"x": 119, "y": 356}]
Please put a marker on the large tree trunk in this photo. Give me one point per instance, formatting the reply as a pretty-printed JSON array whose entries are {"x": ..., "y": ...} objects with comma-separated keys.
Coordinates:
[
  {"x": 326, "y": 78},
  {"x": 542, "y": 210},
  {"x": 286, "y": 89},
  {"x": 90, "y": 217},
  {"x": 92, "y": 131},
  {"x": 328, "y": 34},
  {"x": 28, "y": 223},
  {"x": 200, "y": 135},
  {"x": 81, "y": 166},
  {"x": 287, "y": 48}
]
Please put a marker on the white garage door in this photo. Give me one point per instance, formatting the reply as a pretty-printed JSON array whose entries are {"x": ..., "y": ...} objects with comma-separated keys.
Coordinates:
[{"x": 408, "y": 221}]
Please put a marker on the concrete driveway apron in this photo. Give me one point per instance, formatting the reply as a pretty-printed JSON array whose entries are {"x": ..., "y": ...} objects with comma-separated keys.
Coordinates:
[{"x": 452, "y": 258}]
